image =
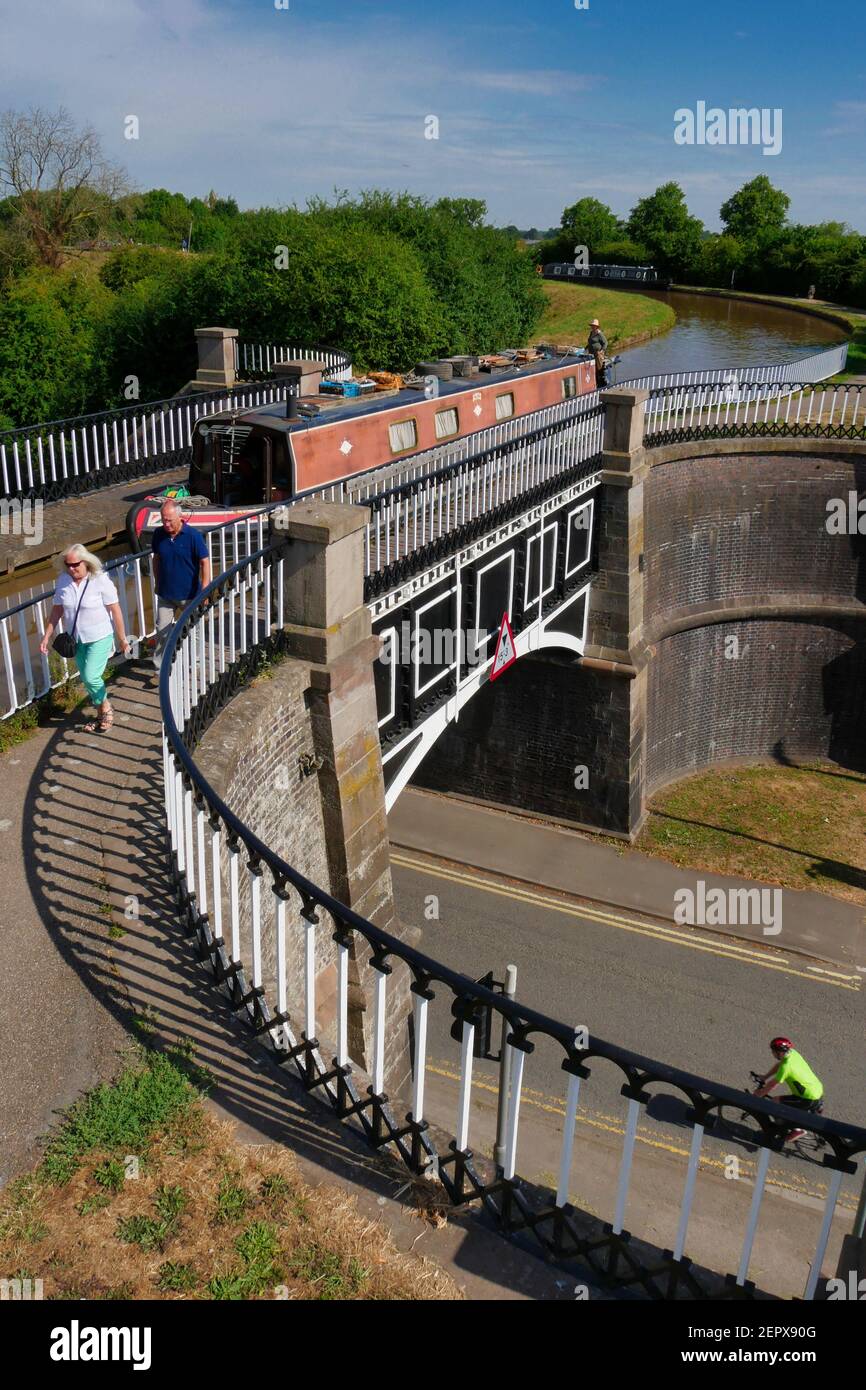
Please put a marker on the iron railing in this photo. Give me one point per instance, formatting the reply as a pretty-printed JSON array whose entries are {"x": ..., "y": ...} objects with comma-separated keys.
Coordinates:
[
  {"x": 813, "y": 366},
  {"x": 407, "y": 519},
  {"x": 751, "y": 409},
  {"x": 251, "y": 912},
  {"x": 63, "y": 458},
  {"x": 252, "y": 359}
]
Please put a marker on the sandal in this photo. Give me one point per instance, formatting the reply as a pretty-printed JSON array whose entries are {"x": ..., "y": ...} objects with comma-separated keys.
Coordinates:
[{"x": 102, "y": 724}]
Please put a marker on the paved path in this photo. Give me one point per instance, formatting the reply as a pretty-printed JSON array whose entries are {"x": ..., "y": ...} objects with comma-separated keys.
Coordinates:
[{"x": 813, "y": 924}]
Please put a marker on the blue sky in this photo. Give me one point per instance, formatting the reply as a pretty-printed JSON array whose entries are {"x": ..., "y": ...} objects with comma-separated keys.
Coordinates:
[{"x": 538, "y": 103}]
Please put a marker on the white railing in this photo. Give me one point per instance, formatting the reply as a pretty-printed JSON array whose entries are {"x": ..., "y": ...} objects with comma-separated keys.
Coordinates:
[
  {"x": 26, "y": 675},
  {"x": 261, "y": 357},
  {"x": 406, "y": 518},
  {"x": 813, "y": 367},
  {"x": 744, "y": 408},
  {"x": 62, "y": 457},
  {"x": 364, "y": 486}
]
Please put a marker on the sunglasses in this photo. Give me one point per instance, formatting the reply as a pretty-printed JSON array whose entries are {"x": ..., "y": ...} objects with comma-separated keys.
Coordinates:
[{"x": 73, "y": 564}]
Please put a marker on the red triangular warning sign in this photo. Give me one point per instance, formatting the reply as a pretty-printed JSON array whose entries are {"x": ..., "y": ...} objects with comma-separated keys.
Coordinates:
[{"x": 506, "y": 653}]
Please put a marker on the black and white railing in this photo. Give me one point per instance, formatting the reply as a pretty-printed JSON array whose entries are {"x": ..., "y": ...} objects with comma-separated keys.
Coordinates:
[
  {"x": 414, "y": 515},
  {"x": 63, "y": 458},
  {"x": 252, "y": 359},
  {"x": 736, "y": 409},
  {"x": 252, "y": 913}
]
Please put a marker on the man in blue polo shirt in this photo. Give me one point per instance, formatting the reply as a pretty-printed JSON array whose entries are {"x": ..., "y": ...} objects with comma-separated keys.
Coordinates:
[{"x": 181, "y": 569}]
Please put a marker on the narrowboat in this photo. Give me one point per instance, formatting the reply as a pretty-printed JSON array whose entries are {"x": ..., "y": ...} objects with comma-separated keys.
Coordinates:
[
  {"x": 623, "y": 276},
  {"x": 246, "y": 459}
]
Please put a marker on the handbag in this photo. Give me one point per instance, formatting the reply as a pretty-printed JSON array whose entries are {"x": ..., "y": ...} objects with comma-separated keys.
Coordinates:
[{"x": 64, "y": 643}]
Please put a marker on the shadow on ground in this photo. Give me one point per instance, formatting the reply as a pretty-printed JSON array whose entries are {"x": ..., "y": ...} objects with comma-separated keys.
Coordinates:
[{"x": 97, "y": 873}]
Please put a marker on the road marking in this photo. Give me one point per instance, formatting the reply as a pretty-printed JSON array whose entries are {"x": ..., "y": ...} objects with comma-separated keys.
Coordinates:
[
  {"x": 709, "y": 945},
  {"x": 551, "y": 1105}
]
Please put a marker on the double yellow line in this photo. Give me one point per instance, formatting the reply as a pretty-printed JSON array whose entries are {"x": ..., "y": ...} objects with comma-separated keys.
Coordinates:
[{"x": 767, "y": 958}]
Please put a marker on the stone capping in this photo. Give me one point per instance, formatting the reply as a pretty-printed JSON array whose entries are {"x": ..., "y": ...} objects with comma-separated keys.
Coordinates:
[
  {"x": 794, "y": 445},
  {"x": 322, "y": 523},
  {"x": 785, "y": 607}
]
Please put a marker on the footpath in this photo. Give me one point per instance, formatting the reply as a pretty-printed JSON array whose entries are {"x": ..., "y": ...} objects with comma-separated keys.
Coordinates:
[{"x": 552, "y": 856}]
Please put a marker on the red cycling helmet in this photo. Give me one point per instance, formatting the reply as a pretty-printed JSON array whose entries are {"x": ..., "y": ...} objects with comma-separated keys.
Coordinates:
[{"x": 783, "y": 1045}]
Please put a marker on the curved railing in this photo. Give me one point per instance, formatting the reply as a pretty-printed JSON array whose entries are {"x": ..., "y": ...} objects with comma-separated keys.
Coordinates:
[
  {"x": 252, "y": 359},
  {"x": 812, "y": 367},
  {"x": 736, "y": 410},
  {"x": 230, "y": 885}
]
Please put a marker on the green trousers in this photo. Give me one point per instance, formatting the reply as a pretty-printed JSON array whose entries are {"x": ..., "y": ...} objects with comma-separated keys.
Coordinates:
[{"x": 91, "y": 658}]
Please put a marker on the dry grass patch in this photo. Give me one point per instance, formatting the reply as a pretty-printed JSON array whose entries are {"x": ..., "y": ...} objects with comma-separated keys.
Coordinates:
[
  {"x": 801, "y": 827},
  {"x": 143, "y": 1194}
]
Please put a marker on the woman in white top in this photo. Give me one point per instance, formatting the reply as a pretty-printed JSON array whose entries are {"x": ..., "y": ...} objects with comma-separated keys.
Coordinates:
[{"x": 86, "y": 600}]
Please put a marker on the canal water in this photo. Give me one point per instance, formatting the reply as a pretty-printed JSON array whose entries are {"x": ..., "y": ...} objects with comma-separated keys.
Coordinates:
[{"x": 712, "y": 332}]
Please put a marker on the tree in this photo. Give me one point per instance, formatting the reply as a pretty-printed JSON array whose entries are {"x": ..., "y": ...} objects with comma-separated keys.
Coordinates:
[
  {"x": 663, "y": 224},
  {"x": 755, "y": 209},
  {"x": 58, "y": 178},
  {"x": 590, "y": 223}
]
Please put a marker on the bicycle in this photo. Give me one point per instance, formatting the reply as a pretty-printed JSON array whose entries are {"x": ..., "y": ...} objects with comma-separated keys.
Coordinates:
[{"x": 733, "y": 1122}]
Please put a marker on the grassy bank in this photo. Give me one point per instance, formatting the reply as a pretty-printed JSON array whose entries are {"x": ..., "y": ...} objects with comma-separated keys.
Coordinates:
[
  {"x": 626, "y": 318},
  {"x": 143, "y": 1194},
  {"x": 801, "y": 827}
]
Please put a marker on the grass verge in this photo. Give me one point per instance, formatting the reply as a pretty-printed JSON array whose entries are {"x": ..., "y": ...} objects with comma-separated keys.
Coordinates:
[
  {"x": 801, "y": 827},
  {"x": 626, "y": 318},
  {"x": 143, "y": 1194}
]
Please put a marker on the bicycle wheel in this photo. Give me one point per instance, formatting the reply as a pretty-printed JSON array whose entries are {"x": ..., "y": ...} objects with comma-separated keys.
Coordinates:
[{"x": 736, "y": 1124}]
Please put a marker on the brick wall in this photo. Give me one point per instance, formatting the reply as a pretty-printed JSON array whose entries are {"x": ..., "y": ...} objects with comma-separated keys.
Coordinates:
[
  {"x": 519, "y": 741},
  {"x": 250, "y": 757},
  {"x": 749, "y": 527},
  {"x": 785, "y": 689}
]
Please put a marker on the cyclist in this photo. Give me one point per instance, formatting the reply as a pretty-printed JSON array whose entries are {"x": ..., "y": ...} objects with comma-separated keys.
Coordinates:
[{"x": 792, "y": 1069}]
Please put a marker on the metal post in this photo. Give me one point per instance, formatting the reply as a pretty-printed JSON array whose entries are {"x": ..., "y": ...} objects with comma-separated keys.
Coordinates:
[{"x": 509, "y": 992}]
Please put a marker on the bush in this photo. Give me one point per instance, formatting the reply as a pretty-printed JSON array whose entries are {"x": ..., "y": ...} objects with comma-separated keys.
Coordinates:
[{"x": 50, "y": 361}]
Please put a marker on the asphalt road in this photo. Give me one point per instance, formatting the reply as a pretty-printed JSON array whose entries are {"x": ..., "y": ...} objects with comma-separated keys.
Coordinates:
[{"x": 701, "y": 1002}]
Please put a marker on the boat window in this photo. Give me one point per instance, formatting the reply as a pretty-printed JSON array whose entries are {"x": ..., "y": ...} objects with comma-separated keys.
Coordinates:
[
  {"x": 505, "y": 406},
  {"x": 569, "y": 387},
  {"x": 403, "y": 435},
  {"x": 447, "y": 423}
]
